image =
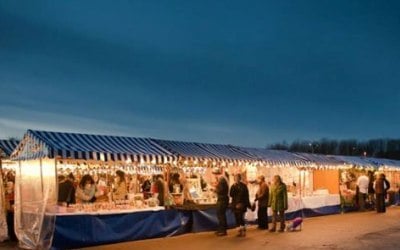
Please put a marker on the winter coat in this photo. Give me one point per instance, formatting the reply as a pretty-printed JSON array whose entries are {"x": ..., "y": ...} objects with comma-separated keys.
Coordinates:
[
  {"x": 240, "y": 196},
  {"x": 262, "y": 195},
  {"x": 278, "y": 200},
  {"x": 222, "y": 190},
  {"x": 120, "y": 191}
]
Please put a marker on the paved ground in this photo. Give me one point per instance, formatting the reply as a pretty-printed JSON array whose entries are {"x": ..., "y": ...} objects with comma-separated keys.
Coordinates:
[{"x": 367, "y": 230}]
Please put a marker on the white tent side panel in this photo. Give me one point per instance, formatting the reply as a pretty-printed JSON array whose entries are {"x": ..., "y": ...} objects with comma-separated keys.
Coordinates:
[{"x": 35, "y": 196}]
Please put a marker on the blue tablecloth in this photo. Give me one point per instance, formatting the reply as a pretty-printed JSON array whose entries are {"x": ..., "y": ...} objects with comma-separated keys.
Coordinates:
[
  {"x": 206, "y": 220},
  {"x": 76, "y": 231}
]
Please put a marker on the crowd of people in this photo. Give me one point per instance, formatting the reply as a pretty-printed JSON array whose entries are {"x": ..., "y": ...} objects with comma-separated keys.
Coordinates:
[
  {"x": 274, "y": 196},
  {"x": 89, "y": 188},
  {"x": 369, "y": 191},
  {"x": 373, "y": 192}
]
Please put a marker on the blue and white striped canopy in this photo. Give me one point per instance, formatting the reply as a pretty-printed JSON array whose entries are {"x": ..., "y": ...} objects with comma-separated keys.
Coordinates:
[
  {"x": 384, "y": 162},
  {"x": 205, "y": 151},
  {"x": 8, "y": 146},
  {"x": 323, "y": 160},
  {"x": 277, "y": 157},
  {"x": 356, "y": 161},
  {"x": 40, "y": 144}
]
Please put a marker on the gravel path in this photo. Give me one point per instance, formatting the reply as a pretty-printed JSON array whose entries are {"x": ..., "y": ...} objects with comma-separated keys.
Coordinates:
[{"x": 367, "y": 230}]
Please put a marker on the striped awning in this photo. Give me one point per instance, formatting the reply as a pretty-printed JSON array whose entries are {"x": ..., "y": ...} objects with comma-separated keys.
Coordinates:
[
  {"x": 277, "y": 157},
  {"x": 40, "y": 144},
  {"x": 8, "y": 146},
  {"x": 322, "y": 160},
  {"x": 381, "y": 162},
  {"x": 205, "y": 151},
  {"x": 355, "y": 161}
]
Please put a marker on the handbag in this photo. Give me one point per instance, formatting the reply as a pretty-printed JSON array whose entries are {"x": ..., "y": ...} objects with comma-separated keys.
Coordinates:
[{"x": 239, "y": 206}]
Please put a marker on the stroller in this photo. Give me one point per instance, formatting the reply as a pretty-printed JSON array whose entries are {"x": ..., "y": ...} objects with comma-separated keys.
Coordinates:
[{"x": 295, "y": 224}]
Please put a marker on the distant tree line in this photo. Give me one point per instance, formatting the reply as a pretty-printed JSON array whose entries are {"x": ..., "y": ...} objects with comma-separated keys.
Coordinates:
[{"x": 380, "y": 148}]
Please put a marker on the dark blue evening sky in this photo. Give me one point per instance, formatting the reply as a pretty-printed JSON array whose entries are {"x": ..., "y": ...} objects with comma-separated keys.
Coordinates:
[{"x": 239, "y": 72}]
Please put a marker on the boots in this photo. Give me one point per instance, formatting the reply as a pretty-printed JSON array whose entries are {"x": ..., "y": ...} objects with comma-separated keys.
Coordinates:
[
  {"x": 242, "y": 231},
  {"x": 273, "y": 229}
]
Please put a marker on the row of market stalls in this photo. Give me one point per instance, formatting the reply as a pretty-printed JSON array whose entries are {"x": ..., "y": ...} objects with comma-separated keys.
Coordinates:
[{"x": 315, "y": 184}]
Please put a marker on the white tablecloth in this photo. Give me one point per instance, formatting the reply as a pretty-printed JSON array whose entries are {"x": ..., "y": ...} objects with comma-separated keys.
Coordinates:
[
  {"x": 299, "y": 203},
  {"x": 105, "y": 212}
]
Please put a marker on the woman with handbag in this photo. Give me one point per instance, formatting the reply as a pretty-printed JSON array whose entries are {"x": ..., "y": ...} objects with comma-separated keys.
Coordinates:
[{"x": 240, "y": 202}]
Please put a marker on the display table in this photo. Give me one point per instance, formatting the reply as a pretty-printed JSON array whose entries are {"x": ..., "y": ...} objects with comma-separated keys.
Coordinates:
[
  {"x": 321, "y": 205},
  {"x": 81, "y": 230},
  {"x": 307, "y": 206},
  {"x": 106, "y": 212}
]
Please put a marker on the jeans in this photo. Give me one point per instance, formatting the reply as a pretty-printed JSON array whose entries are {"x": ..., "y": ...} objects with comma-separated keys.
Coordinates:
[
  {"x": 361, "y": 201},
  {"x": 278, "y": 216},
  {"x": 221, "y": 215}
]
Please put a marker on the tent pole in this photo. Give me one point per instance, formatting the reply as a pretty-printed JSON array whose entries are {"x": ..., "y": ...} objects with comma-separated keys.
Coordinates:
[{"x": 41, "y": 175}]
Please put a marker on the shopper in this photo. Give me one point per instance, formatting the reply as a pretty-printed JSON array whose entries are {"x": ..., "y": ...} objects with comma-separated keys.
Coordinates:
[
  {"x": 9, "y": 202},
  {"x": 278, "y": 202},
  {"x": 371, "y": 191},
  {"x": 362, "y": 184},
  {"x": 222, "y": 190},
  {"x": 66, "y": 189},
  {"x": 175, "y": 185},
  {"x": 381, "y": 186},
  {"x": 160, "y": 189},
  {"x": 86, "y": 191},
  {"x": 240, "y": 202},
  {"x": 262, "y": 197},
  {"x": 120, "y": 189}
]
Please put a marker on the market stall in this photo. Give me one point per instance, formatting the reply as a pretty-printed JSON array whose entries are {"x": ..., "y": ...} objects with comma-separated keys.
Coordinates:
[
  {"x": 42, "y": 156},
  {"x": 7, "y": 169},
  {"x": 312, "y": 180},
  {"x": 355, "y": 167},
  {"x": 199, "y": 160},
  {"x": 391, "y": 169}
]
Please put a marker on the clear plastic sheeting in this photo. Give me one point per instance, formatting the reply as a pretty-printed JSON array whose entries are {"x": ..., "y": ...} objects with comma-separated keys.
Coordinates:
[
  {"x": 35, "y": 194},
  {"x": 3, "y": 220}
]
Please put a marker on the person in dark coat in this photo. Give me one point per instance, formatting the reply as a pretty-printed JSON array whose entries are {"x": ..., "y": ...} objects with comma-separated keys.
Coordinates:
[
  {"x": 222, "y": 190},
  {"x": 262, "y": 197},
  {"x": 240, "y": 202},
  {"x": 371, "y": 191},
  {"x": 381, "y": 187},
  {"x": 9, "y": 202},
  {"x": 160, "y": 189},
  {"x": 66, "y": 190}
]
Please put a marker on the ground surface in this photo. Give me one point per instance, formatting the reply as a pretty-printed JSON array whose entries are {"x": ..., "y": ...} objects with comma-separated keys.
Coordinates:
[{"x": 367, "y": 230}]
